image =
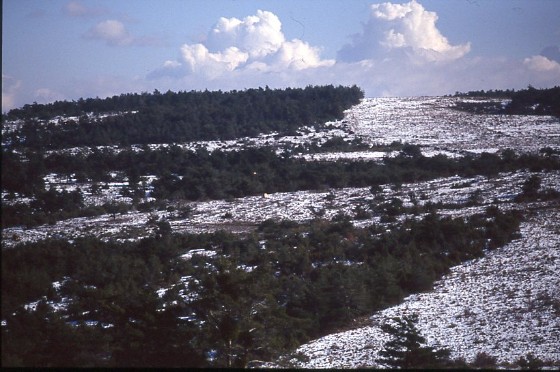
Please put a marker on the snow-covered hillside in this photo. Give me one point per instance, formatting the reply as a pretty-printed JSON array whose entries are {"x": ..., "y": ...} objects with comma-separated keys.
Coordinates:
[
  {"x": 243, "y": 214},
  {"x": 431, "y": 122},
  {"x": 506, "y": 304}
]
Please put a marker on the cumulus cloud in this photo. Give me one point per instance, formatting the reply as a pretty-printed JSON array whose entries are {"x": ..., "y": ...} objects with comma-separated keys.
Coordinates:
[
  {"x": 255, "y": 43},
  {"x": 399, "y": 52},
  {"x": 541, "y": 63},
  {"x": 10, "y": 90},
  {"x": 197, "y": 58},
  {"x": 258, "y": 35},
  {"x": 297, "y": 55},
  {"x": 407, "y": 28}
]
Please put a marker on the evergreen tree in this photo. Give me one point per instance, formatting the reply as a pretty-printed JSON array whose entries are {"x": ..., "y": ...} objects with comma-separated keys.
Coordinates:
[
  {"x": 405, "y": 349},
  {"x": 531, "y": 186}
]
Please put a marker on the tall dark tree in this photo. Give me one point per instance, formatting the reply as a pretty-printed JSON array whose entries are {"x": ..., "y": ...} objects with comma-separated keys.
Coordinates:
[
  {"x": 531, "y": 186},
  {"x": 407, "y": 349}
]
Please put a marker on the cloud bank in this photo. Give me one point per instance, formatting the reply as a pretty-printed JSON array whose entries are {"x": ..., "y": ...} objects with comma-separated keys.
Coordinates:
[{"x": 397, "y": 51}]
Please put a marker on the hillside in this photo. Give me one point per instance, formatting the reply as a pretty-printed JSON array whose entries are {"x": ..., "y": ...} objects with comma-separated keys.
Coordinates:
[
  {"x": 217, "y": 229},
  {"x": 504, "y": 305}
]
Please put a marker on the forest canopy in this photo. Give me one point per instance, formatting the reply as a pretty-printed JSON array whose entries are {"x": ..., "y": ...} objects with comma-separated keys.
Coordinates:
[
  {"x": 179, "y": 117},
  {"x": 530, "y": 101}
]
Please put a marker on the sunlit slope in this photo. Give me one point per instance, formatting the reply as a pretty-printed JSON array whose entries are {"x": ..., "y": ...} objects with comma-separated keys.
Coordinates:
[{"x": 505, "y": 305}]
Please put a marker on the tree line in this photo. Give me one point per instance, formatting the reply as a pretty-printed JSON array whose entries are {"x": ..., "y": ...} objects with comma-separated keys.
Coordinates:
[
  {"x": 530, "y": 101},
  {"x": 201, "y": 175},
  {"x": 180, "y": 117}
]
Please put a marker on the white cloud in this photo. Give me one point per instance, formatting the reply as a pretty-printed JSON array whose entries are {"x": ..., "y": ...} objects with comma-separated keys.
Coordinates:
[
  {"x": 256, "y": 44},
  {"x": 10, "y": 90},
  {"x": 407, "y": 27},
  {"x": 400, "y": 52},
  {"x": 111, "y": 31},
  {"x": 78, "y": 9},
  {"x": 541, "y": 64},
  {"x": 114, "y": 33},
  {"x": 258, "y": 35},
  {"x": 198, "y": 59},
  {"x": 297, "y": 55},
  {"x": 171, "y": 64}
]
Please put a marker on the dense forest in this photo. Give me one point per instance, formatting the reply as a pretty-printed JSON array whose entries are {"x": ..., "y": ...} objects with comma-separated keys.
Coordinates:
[
  {"x": 261, "y": 295},
  {"x": 178, "y": 117},
  {"x": 530, "y": 101}
]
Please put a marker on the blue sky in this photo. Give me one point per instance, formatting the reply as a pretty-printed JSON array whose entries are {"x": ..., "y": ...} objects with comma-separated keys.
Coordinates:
[{"x": 67, "y": 49}]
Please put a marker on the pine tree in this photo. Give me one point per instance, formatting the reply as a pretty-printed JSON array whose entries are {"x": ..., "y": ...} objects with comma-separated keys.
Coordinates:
[{"x": 405, "y": 349}]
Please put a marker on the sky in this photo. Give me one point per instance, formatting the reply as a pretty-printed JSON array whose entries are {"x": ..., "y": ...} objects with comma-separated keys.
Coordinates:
[{"x": 70, "y": 49}]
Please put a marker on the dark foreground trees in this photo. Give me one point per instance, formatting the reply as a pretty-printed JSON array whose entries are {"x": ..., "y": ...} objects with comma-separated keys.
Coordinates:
[{"x": 261, "y": 295}]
